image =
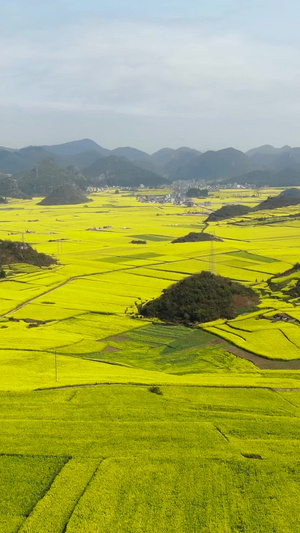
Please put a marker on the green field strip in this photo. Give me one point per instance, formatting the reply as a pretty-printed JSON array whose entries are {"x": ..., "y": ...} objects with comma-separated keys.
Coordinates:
[
  {"x": 53, "y": 511},
  {"x": 253, "y": 257},
  {"x": 126, "y": 258},
  {"x": 153, "y": 237},
  {"x": 246, "y": 269},
  {"x": 152, "y": 277}
]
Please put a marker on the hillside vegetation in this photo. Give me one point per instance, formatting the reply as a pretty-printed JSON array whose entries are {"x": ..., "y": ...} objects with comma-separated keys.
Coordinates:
[
  {"x": 22, "y": 252},
  {"x": 200, "y": 298},
  {"x": 228, "y": 211},
  {"x": 284, "y": 199}
]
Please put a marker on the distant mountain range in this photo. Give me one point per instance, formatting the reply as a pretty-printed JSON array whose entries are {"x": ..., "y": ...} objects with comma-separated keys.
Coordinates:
[
  {"x": 37, "y": 170},
  {"x": 114, "y": 170}
]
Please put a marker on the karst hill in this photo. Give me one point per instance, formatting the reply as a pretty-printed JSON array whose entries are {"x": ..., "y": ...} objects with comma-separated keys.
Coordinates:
[{"x": 66, "y": 194}]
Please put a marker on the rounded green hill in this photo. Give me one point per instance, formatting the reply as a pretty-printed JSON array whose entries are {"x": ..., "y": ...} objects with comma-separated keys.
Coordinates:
[{"x": 200, "y": 298}]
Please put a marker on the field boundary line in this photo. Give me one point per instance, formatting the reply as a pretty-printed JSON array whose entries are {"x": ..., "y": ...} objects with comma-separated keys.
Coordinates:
[
  {"x": 277, "y": 391},
  {"x": 115, "y": 384},
  {"x": 52, "y": 512},
  {"x": 84, "y": 490},
  {"x": 102, "y": 361},
  {"x": 221, "y": 432},
  {"x": 69, "y": 280},
  {"x": 69, "y": 458}
]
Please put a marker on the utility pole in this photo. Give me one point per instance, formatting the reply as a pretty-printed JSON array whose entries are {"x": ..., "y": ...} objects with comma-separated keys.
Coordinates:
[
  {"x": 56, "y": 367},
  {"x": 212, "y": 265}
]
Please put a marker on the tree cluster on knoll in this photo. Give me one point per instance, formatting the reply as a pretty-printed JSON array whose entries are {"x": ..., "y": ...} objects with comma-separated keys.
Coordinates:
[
  {"x": 194, "y": 236},
  {"x": 21, "y": 252},
  {"x": 200, "y": 298},
  {"x": 228, "y": 211}
]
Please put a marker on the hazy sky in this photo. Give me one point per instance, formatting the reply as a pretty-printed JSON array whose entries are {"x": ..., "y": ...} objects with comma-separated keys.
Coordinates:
[{"x": 150, "y": 74}]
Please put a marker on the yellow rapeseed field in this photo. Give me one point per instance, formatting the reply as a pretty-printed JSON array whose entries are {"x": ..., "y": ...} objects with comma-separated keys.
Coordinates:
[{"x": 101, "y": 276}]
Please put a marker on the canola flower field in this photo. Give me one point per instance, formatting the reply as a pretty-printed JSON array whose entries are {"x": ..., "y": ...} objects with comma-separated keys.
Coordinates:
[{"x": 84, "y": 445}]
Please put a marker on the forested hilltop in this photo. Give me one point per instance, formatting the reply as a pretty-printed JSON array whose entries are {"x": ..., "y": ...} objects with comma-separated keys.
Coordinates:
[
  {"x": 12, "y": 252},
  {"x": 200, "y": 298}
]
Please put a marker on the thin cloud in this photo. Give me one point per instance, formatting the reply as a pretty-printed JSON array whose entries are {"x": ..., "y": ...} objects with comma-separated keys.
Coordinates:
[{"x": 143, "y": 68}]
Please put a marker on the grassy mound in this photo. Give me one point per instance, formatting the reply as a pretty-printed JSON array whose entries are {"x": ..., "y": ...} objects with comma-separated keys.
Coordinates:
[
  {"x": 200, "y": 298},
  {"x": 194, "y": 236}
]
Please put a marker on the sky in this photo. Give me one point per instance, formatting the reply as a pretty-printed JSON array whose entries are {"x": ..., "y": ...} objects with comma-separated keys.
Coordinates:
[{"x": 207, "y": 75}]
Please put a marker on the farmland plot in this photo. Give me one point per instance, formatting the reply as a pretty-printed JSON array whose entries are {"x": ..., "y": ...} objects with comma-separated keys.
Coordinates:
[
  {"x": 215, "y": 449},
  {"x": 192, "y": 459},
  {"x": 101, "y": 275}
]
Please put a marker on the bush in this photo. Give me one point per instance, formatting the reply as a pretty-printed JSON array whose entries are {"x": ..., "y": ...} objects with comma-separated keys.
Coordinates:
[{"x": 155, "y": 390}]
